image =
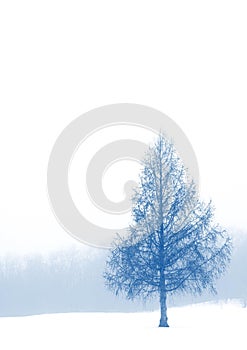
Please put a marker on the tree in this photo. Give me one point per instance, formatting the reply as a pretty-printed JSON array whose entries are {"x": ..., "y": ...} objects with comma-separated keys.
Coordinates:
[{"x": 173, "y": 245}]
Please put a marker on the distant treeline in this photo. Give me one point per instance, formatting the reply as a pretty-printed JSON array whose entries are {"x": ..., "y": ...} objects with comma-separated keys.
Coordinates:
[
  {"x": 65, "y": 281},
  {"x": 69, "y": 281}
]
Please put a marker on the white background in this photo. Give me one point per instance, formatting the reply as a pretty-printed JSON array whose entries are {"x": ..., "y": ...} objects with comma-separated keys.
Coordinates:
[{"x": 60, "y": 59}]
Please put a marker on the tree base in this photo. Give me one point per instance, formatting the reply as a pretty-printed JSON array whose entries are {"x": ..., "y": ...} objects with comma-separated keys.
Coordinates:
[{"x": 164, "y": 325}]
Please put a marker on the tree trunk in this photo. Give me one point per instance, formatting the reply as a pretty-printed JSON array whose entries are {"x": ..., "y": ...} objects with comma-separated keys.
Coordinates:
[{"x": 163, "y": 310}]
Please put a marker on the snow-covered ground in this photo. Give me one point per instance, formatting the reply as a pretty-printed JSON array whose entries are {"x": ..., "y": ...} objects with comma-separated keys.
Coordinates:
[{"x": 201, "y": 326}]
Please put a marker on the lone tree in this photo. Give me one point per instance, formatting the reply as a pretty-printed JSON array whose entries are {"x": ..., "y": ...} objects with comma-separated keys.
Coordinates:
[{"x": 173, "y": 245}]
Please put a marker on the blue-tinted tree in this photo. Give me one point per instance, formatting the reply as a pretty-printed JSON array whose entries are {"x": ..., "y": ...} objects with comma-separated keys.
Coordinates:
[{"x": 173, "y": 244}]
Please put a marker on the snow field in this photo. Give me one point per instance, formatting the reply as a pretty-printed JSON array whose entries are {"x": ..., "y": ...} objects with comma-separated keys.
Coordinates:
[{"x": 202, "y": 326}]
